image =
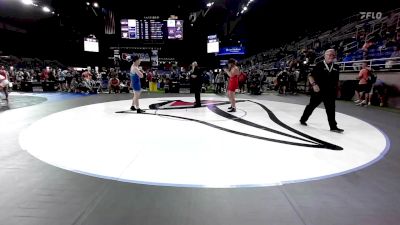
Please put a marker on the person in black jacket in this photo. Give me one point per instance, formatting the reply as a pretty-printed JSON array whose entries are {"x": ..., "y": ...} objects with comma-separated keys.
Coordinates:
[
  {"x": 196, "y": 82},
  {"x": 324, "y": 79}
]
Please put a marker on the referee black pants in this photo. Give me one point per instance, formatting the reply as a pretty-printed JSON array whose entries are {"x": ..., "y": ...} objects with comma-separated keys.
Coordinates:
[{"x": 329, "y": 103}]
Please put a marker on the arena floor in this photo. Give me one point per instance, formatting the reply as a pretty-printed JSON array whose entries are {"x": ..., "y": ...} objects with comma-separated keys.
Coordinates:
[{"x": 88, "y": 160}]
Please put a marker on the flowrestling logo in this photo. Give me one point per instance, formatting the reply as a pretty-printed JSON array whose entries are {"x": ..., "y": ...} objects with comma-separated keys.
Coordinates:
[{"x": 372, "y": 15}]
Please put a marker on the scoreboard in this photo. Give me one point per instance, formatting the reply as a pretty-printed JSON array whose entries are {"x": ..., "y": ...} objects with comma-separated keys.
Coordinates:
[{"x": 151, "y": 29}]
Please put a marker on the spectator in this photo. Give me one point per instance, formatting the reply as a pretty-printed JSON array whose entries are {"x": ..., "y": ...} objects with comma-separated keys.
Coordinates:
[
  {"x": 44, "y": 75},
  {"x": 292, "y": 81},
  {"x": 86, "y": 74},
  {"x": 282, "y": 80},
  {"x": 61, "y": 79},
  {"x": 149, "y": 81},
  {"x": 364, "y": 88},
  {"x": 88, "y": 85},
  {"x": 104, "y": 80},
  {"x": 219, "y": 81},
  {"x": 366, "y": 47},
  {"x": 51, "y": 76},
  {"x": 124, "y": 86},
  {"x": 379, "y": 90},
  {"x": 242, "y": 81},
  {"x": 152, "y": 81},
  {"x": 394, "y": 63},
  {"x": 206, "y": 78},
  {"x": 19, "y": 77},
  {"x": 73, "y": 87},
  {"x": 114, "y": 85}
]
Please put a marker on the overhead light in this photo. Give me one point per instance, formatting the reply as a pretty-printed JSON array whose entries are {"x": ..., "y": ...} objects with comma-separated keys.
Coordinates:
[
  {"x": 95, "y": 4},
  {"x": 87, "y": 3},
  {"x": 27, "y": 2},
  {"x": 53, "y": 12},
  {"x": 46, "y": 9},
  {"x": 210, "y": 4},
  {"x": 245, "y": 7}
]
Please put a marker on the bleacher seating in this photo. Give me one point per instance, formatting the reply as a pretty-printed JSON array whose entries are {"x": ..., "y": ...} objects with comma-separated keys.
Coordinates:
[{"x": 347, "y": 38}]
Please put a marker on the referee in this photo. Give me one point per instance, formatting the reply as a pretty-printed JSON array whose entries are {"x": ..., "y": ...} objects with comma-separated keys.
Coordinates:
[
  {"x": 196, "y": 83},
  {"x": 324, "y": 79}
]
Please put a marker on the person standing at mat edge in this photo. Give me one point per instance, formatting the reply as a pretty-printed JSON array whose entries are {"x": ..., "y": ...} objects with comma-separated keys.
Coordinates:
[
  {"x": 136, "y": 74},
  {"x": 196, "y": 83},
  {"x": 324, "y": 79},
  {"x": 233, "y": 73}
]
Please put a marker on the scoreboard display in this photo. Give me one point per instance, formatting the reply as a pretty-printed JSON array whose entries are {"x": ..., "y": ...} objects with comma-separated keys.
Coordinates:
[
  {"x": 151, "y": 29},
  {"x": 91, "y": 45}
]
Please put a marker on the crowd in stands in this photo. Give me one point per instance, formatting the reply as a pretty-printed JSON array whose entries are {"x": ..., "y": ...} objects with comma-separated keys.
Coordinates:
[
  {"x": 357, "y": 40},
  {"x": 105, "y": 80}
]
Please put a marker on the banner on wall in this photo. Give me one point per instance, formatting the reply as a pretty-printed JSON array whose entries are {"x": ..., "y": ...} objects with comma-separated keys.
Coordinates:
[
  {"x": 236, "y": 50},
  {"x": 144, "y": 56},
  {"x": 154, "y": 58}
]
